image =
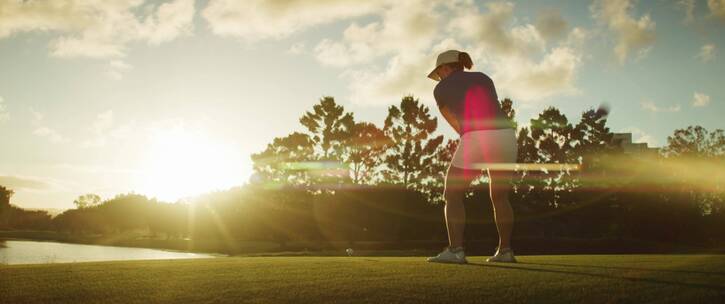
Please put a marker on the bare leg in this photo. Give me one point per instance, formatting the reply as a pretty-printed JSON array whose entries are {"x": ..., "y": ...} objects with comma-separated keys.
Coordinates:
[
  {"x": 500, "y": 187},
  {"x": 456, "y": 184}
]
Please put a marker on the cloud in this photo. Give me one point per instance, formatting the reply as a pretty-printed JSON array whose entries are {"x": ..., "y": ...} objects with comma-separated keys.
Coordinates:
[
  {"x": 639, "y": 136},
  {"x": 700, "y": 100},
  {"x": 515, "y": 54},
  {"x": 105, "y": 130},
  {"x": 170, "y": 21},
  {"x": 401, "y": 38},
  {"x": 102, "y": 123},
  {"x": 717, "y": 9},
  {"x": 41, "y": 130},
  {"x": 405, "y": 27},
  {"x": 260, "y": 19},
  {"x": 116, "y": 69},
  {"x": 403, "y": 75},
  {"x": 97, "y": 29},
  {"x": 51, "y": 134},
  {"x": 525, "y": 79},
  {"x": 4, "y": 115},
  {"x": 297, "y": 48},
  {"x": 357, "y": 46},
  {"x": 551, "y": 25},
  {"x": 24, "y": 183},
  {"x": 490, "y": 29},
  {"x": 633, "y": 35},
  {"x": 689, "y": 7},
  {"x": 707, "y": 52},
  {"x": 652, "y": 107}
]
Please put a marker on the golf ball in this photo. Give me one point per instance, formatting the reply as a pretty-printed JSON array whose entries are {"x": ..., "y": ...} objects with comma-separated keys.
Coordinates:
[{"x": 349, "y": 251}]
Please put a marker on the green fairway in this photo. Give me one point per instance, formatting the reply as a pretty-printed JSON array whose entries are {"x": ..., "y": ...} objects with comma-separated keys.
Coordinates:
[{"x": 536, "y": 279}]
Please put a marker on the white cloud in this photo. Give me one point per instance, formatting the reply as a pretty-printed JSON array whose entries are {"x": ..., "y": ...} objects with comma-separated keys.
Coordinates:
[
  {"x": 403, "y": 75},
  {"x": 717, "y": 8},
  {"x": 700, "y": 100},
  {"x": 297, "y": 48},
  {"x": 490, "y": 30},
  {"x": 41, "y": 130},
  {"x": 4, "y": 115},
  {"x": 652, "y": 107},
  {"x": 259, "y": 19},
  {"x": 49, "y": 133},
  {"x": 640, "y": 136},
  {"x": 116, "y": 69},
  {"x": 406, "y": 27},
  {"x": 633, "y": 35},
  {"x": 525, "y": 79},
  {"x": 105, "y": 130},
  {"x": 357, "y": 46},
  {"x": 410, "y": 34},
  {"x": 171, "y": 20},
  {"x": 402, "y": 38},
  {"x": 517, "y": 56},
  {"x": 98, "y": 29},
  {"x": 707, "y": 52}
]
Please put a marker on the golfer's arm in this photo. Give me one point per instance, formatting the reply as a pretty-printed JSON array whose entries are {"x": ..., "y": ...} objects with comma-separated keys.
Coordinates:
[{"x": 451, "y": 119}]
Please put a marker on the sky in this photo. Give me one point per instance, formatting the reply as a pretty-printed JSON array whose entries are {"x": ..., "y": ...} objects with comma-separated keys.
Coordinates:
[{"x": 169, "y": 98}]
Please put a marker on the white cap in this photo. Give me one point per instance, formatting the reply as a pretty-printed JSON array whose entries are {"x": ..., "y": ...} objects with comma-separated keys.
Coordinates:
[{"x": 449, "y": 56}]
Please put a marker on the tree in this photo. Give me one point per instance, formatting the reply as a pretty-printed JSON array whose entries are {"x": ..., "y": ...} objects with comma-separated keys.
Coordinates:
[
  {"x": 526, "y": 154},
  {"x": 591, "y": 135},
  {"x": 592, "y": 142},
  {"x": 364, "y": 152},
  {"x": 410, "y": 129},
  {"x": 508, "y": 109},
  {"x": 286, "y": 160},
  {"x": 551, "y": 132},
  {"x": 436, "y": 172},
  {"x": 695, "y": 141},
  {"x": 86, "y": 201},
  {"x": 551, "y": 135},
  {"x": 5, "y": 195},
  {"x": 329, "y": 127},
  {"x": 699, "y": 155}
]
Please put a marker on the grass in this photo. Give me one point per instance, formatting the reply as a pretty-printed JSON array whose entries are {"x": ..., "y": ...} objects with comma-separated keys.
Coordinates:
[{"x": 536, "y": 279}]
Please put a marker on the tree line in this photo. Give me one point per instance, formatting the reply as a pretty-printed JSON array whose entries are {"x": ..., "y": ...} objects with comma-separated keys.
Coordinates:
[{"x": 344, "y": 180}]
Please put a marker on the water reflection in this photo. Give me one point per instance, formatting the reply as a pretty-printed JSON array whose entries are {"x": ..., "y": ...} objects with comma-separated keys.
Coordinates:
[{"x": 34, "y": 252}]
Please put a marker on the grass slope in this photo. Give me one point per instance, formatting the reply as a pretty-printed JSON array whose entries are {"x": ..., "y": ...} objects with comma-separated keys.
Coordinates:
[{"x": 537, "y": 279}]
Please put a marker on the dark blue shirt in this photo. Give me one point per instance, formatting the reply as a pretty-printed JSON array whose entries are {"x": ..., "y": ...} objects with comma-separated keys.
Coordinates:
[{"x": 471, "y": 98}]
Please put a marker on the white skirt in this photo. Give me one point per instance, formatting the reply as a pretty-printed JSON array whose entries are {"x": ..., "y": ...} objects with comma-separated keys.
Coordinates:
[{"x": 494, "y": 149}]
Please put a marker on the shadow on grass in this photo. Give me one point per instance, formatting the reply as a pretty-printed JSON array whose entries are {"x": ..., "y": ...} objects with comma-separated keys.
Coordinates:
[
  {"x": 630, "y": 268},
  {"x": 720, "y": 288}
]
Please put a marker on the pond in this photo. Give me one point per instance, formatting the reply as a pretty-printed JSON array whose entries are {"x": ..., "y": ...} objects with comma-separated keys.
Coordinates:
[{"x": 35, "y": 252}]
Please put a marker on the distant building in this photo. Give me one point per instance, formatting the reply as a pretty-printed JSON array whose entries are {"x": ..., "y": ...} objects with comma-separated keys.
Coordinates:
[{"x": 624, "y": 140}]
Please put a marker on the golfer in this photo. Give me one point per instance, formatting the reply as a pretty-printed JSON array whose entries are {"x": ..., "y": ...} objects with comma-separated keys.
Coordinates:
[{"x": 468, "y": 101}]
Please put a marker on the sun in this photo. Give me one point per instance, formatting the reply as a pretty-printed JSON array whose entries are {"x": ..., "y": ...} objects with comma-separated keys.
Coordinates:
[{"x": 181, "y": 163}]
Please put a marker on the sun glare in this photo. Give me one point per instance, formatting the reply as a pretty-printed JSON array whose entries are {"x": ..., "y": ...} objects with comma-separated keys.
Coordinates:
[{"x": 183, "y": 163}]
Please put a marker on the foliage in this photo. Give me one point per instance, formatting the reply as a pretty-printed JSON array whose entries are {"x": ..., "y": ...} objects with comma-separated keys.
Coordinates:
[
  {"x": 5, "y": 195},
  {"x": 387, "y": 185},
  {"x": 87, "y": 200},
  {"x": 365, "y": 152},
  {"x": 413, "y": 152}
]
